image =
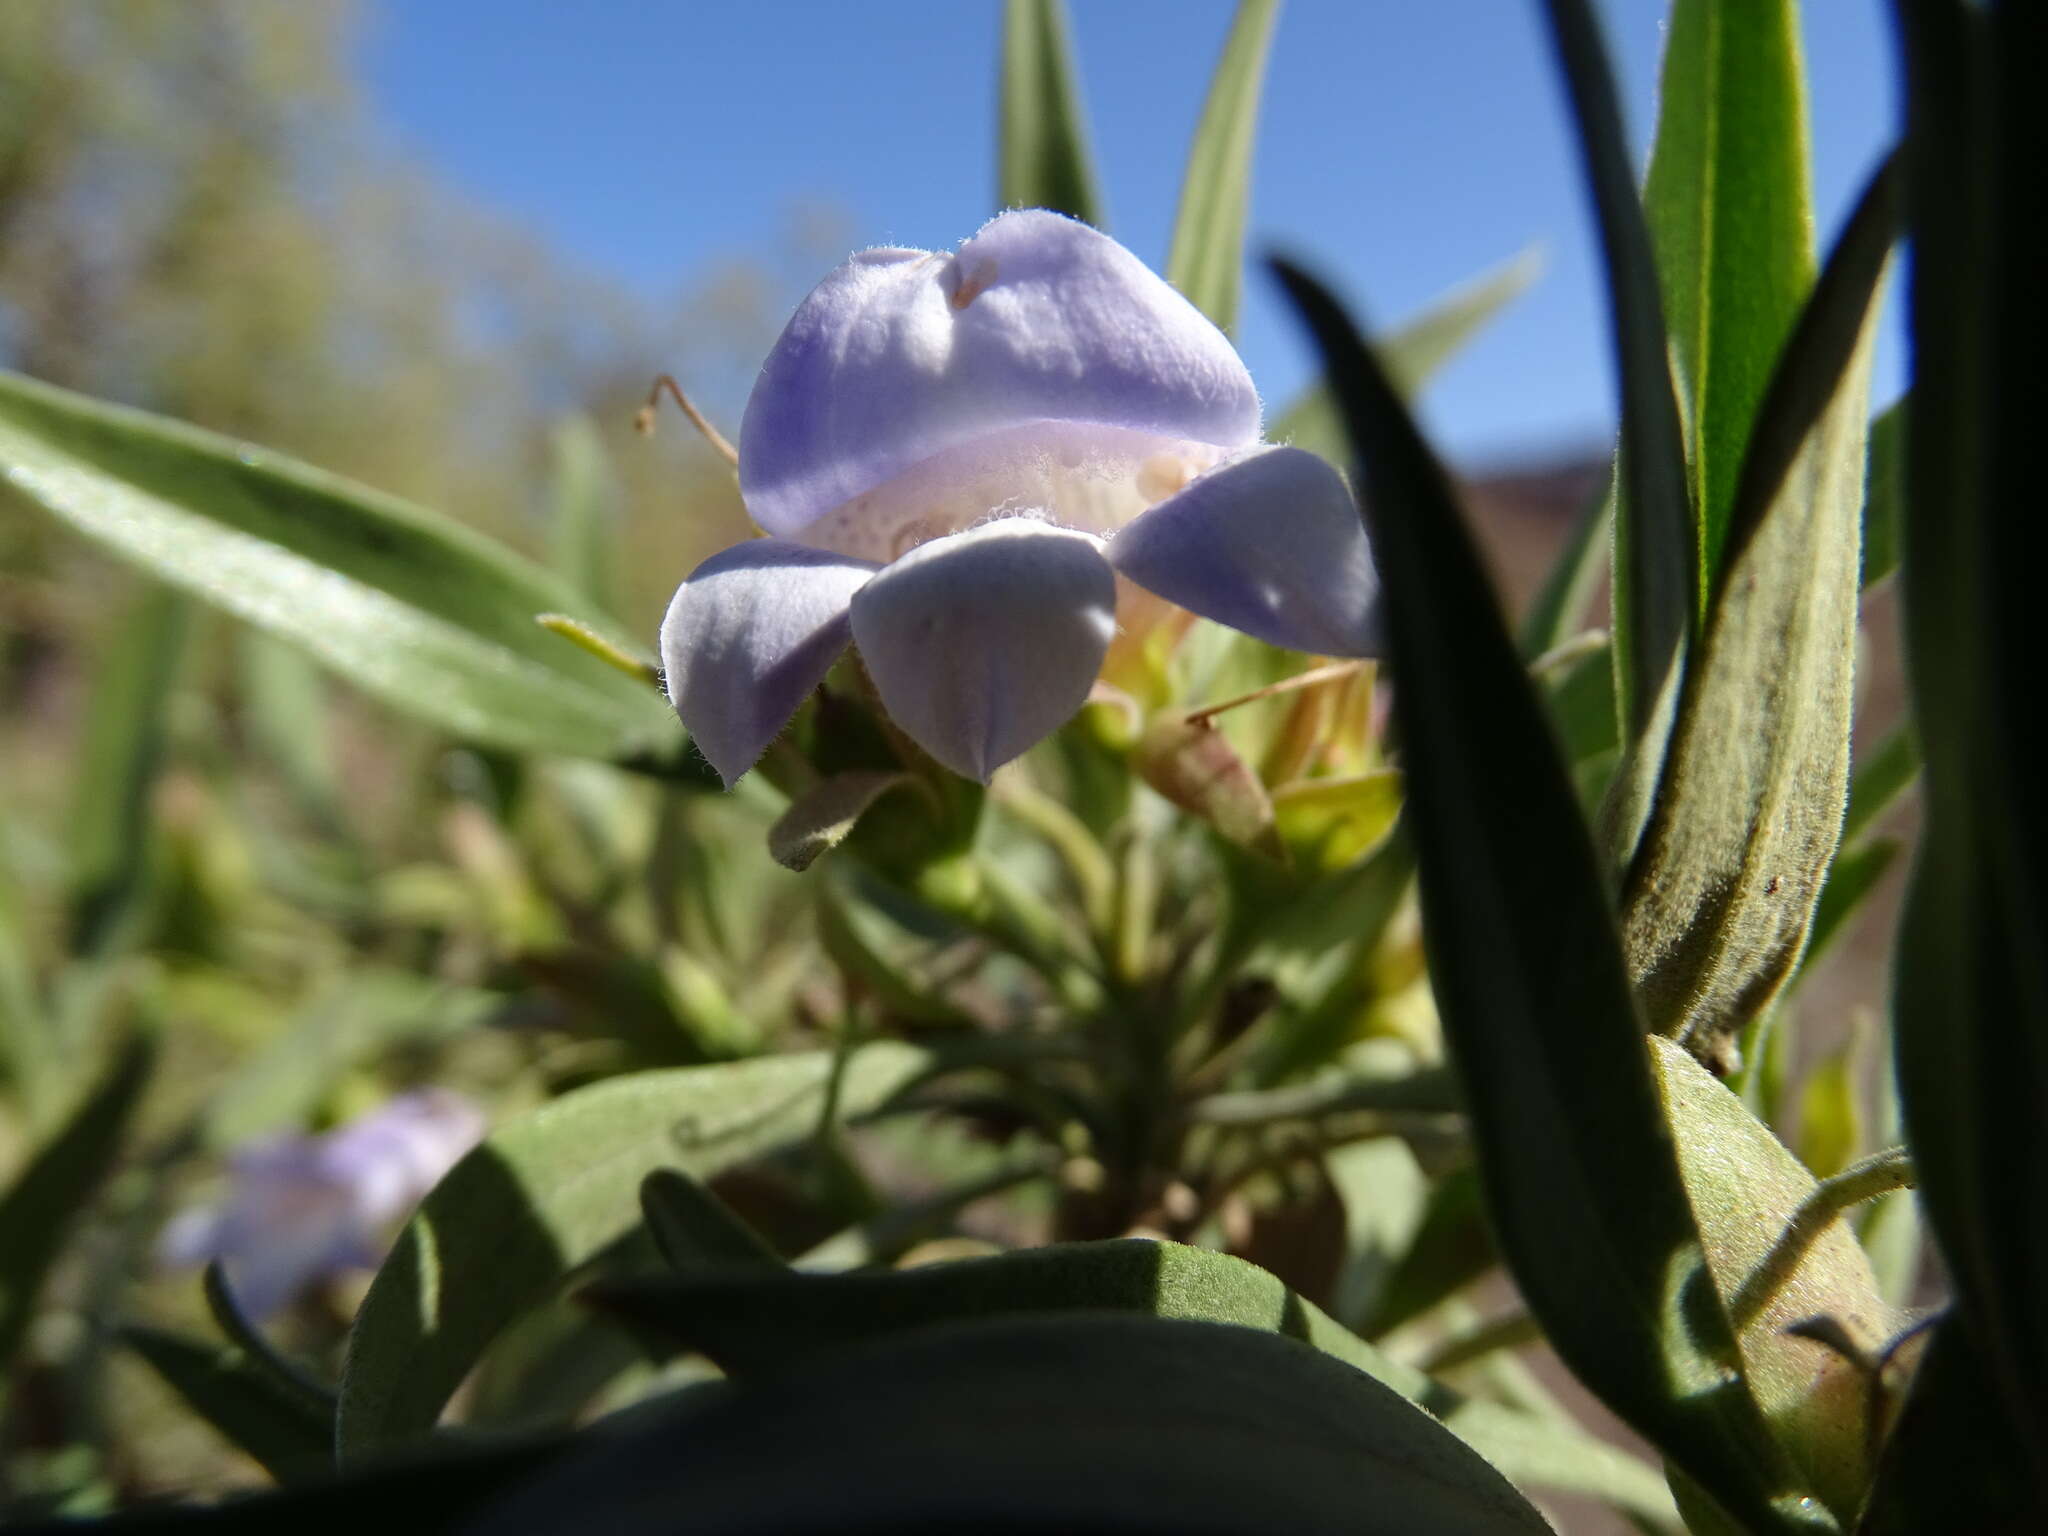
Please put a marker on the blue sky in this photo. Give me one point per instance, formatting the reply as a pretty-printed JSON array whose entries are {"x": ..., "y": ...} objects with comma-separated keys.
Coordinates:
[{"x": 1405, "y": 146}]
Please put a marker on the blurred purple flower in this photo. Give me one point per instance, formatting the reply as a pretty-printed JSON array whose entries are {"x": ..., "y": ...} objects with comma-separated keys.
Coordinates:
[
  {"x": 955, "y": 457},
  {"x": 303, "y": 1208}
]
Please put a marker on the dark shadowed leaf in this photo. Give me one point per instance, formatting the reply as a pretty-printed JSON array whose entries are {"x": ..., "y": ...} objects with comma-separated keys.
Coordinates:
[
  {"x": 241, "y": 1399},
  {"x": 1656, "y": 569},
  {"x": 549, "y": 1192},
  {"x": 58, "y": 1183},
  {"x": 1971, "y": 976},
  {"x": 1042, "y": 138},
  {"x": 1883, "y": 493},
  {"x": 1038, "y": 1424},
  {"x": 1581, "y": 1178},
  {"x": 777, "y": 1321},
  {"x": 694, "y": 1229},
  {"x": 1414, "y": 352},
  {"x": 427, "y": 615},
  {"x": 1206, "y": 260}
]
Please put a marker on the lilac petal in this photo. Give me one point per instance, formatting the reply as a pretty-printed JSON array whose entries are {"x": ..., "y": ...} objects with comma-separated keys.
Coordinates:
[
  {"x": 1270, "y": 544},
  {"x": 984, "y": 642},
  {"x": 754, "y": 629},
  {"x": 901, "y": 355}
]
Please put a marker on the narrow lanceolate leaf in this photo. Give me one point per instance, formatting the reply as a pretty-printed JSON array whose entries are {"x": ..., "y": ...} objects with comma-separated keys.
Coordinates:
[
  {"x": 778, "y": 1319},
  {"x": 1042, "y": 139},
  {"x": 1884, "y": 492},
  {"x": 423, "y": 613},
  {"x": 1414, "y": 352},
  {"x": 1730, "y": 213},
  {"x": 1559, "y": 608},
  {"x": 583, "y": 514},
  {"x": 57, "y": 1185},
  {"x": 1716, "y": 904},
  {"x": 117, "y": 766},
  {"x": 550, "y": 1191},
  {"x": 1581, "y": 1177},
  {"x": 1206, "y": 260},
  {"x": 1971, "y": 1000},
  {"x": 1656, "y": 568},
  {"x": 1074, "y": 1423},
  {"x": 696, "y": 1230},
  {"x": 220, "y": 1383}
]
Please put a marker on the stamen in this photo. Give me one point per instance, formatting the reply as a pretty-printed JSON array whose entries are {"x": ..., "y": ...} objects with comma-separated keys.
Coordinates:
[{"x": 643, "y": 419}]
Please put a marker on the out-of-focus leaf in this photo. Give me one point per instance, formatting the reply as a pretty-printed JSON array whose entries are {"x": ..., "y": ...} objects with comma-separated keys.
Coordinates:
[
  {"x": 1414, "y": 352},
  {"x": 583, "y": 513},
  {"x": 278, "y": 1428},
  {"x": 1206, "y": 259},
  {"x": 1452, "y": 1248},
  {"x": 1042, "y": 138},
  {"x": 1884, "y": 491},
  {"x": 1851, "y": 878},
  {"x": 1580, "y": 1176},
  {"x": 1955, "y": 1460},
  {"x": 694, "y": 1229},
  {"x": 774, "y": 1321},
  {"x": 1730, "y": 212},
  {"x": 1716, "y": 904},
  {"x": 1882, "y": 775},
  {"x": 343, "y": 1025},
  {"x": 547, "y": 1192},
  {"x": 1073, "y": 1423},
  {"x": 418, "y": 610},
  {"x": 1656, "y": 563},
  {"x": 1559, "y": 607},
  {"x": 1830, "y": 1116},
  {"x": 1971, "y": 970},
  {"x": 58, "y": 1183},
  {"x": 1338, "y": 821},
  {"x": 819, "y": 819},
  {"x": 118, "y": 759},
  {"x": 284, "y": 709}
]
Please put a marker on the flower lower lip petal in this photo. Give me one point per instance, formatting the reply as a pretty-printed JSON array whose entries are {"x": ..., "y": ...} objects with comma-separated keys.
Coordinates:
[
  {"x": 1270, "y": 544},
  {"x": 752, "y": 631},
  {"x": 984, "y": 642}
]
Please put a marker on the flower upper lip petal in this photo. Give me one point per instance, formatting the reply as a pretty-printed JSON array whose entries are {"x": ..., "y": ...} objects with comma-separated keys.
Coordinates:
[{"x": 883, "y": 366}]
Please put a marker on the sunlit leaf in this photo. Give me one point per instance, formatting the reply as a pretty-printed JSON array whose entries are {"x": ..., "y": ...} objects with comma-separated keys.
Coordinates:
[
  {"x": 423, "y": 613},
  {"x": 1042, "y": 144},
  {"x": 1206, "y": 259},
  {"x": 1730, "y": 212}
]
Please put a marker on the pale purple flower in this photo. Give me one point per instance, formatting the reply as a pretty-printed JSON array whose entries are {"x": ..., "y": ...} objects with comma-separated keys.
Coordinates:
[
  {"x": 300, "y": 1209},
  {"x": 955, "y": 457}
]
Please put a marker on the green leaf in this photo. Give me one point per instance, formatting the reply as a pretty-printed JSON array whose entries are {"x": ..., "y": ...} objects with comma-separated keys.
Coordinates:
[
  {"x": 421, "y": 612},
  {"x": 583, "y": 514},
  {"x": 819, "y": 819},
  {"x": 344, "y": 1024},
  {"x": 1656, "y": 575},
  {"x": 1747, "y": 1192},
  {"x": 1883, "y": 494},
  {"x": 776, "y": 1321},
  {"x": 1559, "y": 609},
  {"x": 1206, "y": 259},
  {"x": 1716, "y": 904},
  {"x": 1042, "y": 150},
  {"x": 1971, "y": 971},
  {"x": 1453, "y": 1247},
  {"x": 694, "y": 1229},
  {"x": 1582, "y": 1183},
  {"x": 1415, "y": 351},
  {"x": 284, "y": 706},
  {"x": 1882, "y": 775},
  {"x": 1730, "y": 211},
  {"x": 551, "y": 1190},
  {"x": 118, "y": 761},
  {"x": 242, "y": 1400},
  {"x": 57, "y": 1185},
  {"x": 1851, "y": 878},
  {"x": 1073, "y": 1423}
]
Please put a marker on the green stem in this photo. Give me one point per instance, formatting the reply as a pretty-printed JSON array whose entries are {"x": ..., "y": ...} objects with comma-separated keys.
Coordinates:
[{"x": 1878, "y": 1174}]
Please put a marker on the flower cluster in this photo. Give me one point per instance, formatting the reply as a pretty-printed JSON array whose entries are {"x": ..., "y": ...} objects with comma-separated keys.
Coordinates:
[{"x": 961, "y": 460}]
